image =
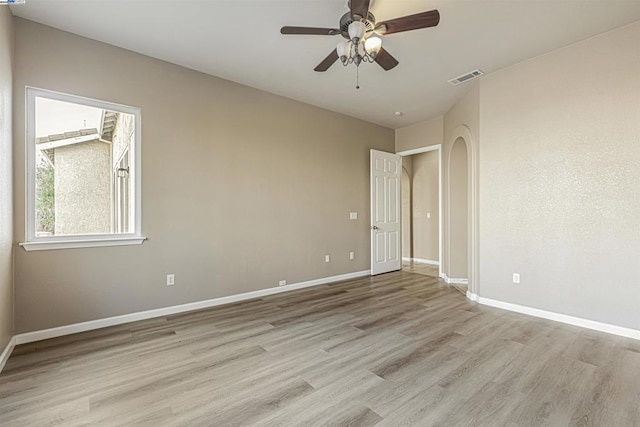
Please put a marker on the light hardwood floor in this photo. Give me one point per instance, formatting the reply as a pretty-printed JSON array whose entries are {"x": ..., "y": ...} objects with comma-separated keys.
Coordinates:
[
  {"x": 428, "y": 270},
  {"x": 420, "y": 268},
  {"x": 397, "y": 349}
]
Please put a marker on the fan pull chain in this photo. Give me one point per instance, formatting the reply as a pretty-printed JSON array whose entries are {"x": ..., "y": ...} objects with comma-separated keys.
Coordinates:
[{"x": 357, "y": 77}]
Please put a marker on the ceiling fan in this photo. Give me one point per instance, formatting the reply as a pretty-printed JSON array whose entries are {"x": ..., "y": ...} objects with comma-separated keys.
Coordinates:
[{"x": 362, "y": 33}]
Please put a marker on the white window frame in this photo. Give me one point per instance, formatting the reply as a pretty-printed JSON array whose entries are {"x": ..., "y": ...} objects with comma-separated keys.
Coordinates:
[{"x": 33, "y": 242}]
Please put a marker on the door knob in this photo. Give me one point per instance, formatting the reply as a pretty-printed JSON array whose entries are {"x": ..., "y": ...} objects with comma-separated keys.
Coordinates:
[{"x": 374, "y": 227}]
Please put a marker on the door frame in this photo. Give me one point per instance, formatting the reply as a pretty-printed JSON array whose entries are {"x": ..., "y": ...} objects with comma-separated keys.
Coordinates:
[{"x": 436, "y": 147}]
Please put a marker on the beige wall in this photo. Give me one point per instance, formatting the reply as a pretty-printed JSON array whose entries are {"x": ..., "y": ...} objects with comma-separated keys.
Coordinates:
[
  {"x": 461, "y": 121},
  {"x": 445, "y": 130},
  {"x": 422, "y": 134},
  {"x": 557, "y": 161},
  {"x": 458, "y": 212},
  {"x": 241, "y": 188},
  {"x": 407, "y": 245},
  {"x": 424, "y": 190},
  {"x": 560, "y": 180},
  {"x": 6, "y": 187}
]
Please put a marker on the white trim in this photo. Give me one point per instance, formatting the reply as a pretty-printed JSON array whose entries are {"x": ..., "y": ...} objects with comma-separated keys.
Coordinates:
[
  {"x": 33, "y": 242},
  {"x": 68, "y": 141},
  {"x": 451, "y": 281},
  {"x": 419, "y": 150},
  {"x": 472, "y": 296},
  {"x": 425, "y": 261},
  {"x": 165, "y": 311},
  {"x": 420, "y": 261},
  {"x": 7, "y": 352},
  {"x": 563, "y": 318},
  {"x": 70, "y": 244},
  {"x": 426, "y": 149},
  {"x": 440, "y": 210}
]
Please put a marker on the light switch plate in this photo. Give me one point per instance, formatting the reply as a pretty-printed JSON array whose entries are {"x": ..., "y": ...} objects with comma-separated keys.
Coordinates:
[
  {"x": 353, "y": 215},
  {"x": 428, "y": 215}
]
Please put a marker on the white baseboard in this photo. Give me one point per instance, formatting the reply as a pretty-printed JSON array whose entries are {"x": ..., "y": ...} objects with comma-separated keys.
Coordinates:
[
  {"x": 7, "y": 352},
  {"x": 451, "y": 281},
  {"x": 425, "y": 261},
  {"x": 166, "y": 311},
  {"x": 420, "y": 261},
  {"x": 563, "y": 318},
  {"x": 472, "y": 296}
]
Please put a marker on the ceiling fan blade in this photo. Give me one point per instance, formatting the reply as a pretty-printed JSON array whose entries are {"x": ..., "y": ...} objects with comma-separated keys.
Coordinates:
[
  {"x": 328, "y": 61},
  {"x": 360, "y": 8},
  {"x": 411, "y": 22},
  {"x": 385, "y": 60},
  {"x": 310, "y": 31}
]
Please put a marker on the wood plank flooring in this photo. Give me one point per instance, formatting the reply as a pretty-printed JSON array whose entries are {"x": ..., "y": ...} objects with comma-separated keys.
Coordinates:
[
  {"x": 429, "y": 270},
  {"x": 394, "y": 350}
]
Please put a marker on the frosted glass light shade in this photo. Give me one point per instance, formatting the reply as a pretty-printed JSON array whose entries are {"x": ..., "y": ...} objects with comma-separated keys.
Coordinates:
[
  {"x": 343, "y": 49},
  {"x": 373, "y": 45},
  {"x": 357, "y": 30}
]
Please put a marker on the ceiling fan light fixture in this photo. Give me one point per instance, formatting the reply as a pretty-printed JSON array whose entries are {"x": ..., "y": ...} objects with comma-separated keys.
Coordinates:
[
  {"x": 343, "y": 50},
  {"x": 372, "y": 46},
  {"x": 357, "y": 30}
]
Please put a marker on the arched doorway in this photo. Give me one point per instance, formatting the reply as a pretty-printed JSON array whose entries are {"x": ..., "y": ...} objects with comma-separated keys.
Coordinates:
[{"x": 458, "y": 202}]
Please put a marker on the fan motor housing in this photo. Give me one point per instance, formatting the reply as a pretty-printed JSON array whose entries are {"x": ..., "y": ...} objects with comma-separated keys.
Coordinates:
[{"x": 370, "y": 23}]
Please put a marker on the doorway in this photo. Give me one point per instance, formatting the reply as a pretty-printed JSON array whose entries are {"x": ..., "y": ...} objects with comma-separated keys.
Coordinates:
[{"x": 421, "y": 211}]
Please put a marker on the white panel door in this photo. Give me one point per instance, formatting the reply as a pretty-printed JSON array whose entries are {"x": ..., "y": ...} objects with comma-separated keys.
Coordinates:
[{"x": 385, "y": 212}]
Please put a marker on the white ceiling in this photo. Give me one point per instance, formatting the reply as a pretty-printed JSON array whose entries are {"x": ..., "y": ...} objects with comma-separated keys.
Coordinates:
[{"x": 239, "y": 40}]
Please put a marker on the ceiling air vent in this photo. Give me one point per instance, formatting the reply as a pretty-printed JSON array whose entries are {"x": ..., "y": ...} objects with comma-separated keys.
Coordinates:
[{"x": 465, "y": 77}]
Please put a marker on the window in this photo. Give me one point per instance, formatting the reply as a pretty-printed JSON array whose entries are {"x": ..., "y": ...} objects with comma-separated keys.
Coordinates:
[{"x": 83, "y": 172}]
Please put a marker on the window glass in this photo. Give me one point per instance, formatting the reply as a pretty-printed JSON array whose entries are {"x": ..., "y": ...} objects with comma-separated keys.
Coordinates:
[{"x": 83, "y": 171}]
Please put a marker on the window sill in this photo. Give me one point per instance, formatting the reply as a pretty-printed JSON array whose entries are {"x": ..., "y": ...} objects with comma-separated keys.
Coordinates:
[{"x": 84, "y": 243}]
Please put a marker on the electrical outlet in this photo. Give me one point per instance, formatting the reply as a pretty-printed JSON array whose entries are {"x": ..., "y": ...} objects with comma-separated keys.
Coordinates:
[
  {"x": 516, "y": 278},
  {"x": 353, "y": 215},
  {"x": 282, "y": 283},
  {"x": 327, "y": 258},
  {"x": 352, "y": 255},
  {"x": 171, "y": 279}
]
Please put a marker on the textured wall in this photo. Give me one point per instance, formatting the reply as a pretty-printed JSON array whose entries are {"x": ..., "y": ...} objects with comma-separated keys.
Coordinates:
[
  {"x": 465, "y": 114},
  {"x": 560, "y": 180},
  {"x": 407, "y": 246},
  {"x": 424, "y": 189},
  {"x": 6, "y": 188},
  {"x": 441, "y": 130},
  {"x": 241, "y": 188},
  {"x": 6, "y": 179},
  {"x": 83, "y": 188},
  {"x": 422, "y": 134},
  {"x": 123, "y": 135},
  {"x": 459, "y": 213}
]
